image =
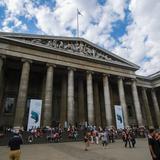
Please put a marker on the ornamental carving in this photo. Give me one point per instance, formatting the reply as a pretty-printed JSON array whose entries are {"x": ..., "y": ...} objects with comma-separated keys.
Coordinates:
[{"x": 74, "y": 47}]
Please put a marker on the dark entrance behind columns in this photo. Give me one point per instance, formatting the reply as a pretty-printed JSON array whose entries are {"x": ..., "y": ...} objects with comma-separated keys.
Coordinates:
[
  {"x": 158, "y": 95},
  {"x": 58, "y": 77},
  {"x": 113, "y": 86},
  {"x": 129, "y": 103},
  {"x": 151, "y": 107},
  {"x": 9, "y": 91},
  {"x": 35, "y": 88},
  {"x": 96, "y": 97},
  {"x": 80, "y": 97},
  {"x": 63, "y": 103}
]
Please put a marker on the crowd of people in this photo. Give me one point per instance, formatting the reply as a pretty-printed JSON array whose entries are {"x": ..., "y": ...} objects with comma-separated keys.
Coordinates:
[
  {"x": 106, "y": 136},
  {"x": 55, "y": 134}
]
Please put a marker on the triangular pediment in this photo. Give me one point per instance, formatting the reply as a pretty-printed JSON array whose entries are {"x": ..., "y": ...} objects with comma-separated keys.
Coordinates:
[{"x": 75, "y": 46}]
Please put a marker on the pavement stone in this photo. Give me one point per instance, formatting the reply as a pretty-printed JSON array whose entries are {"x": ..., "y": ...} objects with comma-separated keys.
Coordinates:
[{"x": 75, "y": 151}]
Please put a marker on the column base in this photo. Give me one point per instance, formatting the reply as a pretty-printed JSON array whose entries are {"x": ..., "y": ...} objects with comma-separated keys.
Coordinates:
[
  {"x": 110, "y": 127},
  {"x": 150, "y": 127},
  {"x": 127, "y": 127}
]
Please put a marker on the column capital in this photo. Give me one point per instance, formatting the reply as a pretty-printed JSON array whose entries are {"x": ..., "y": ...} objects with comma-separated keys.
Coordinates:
[
  {"x": 71, "y": 68},
  {"x": 26, "y": 60},
  {"x": 50, "y": 65},
  {"x": 133, "y": 79},
  {"x": 3, "y": 56},
  {"x": 105, "y": 74},
  {"x": 120, "y": 77},
  {"x": 153, "y": 89},
  {"x": 144, "y": 88},
  {"x": 89, "y": 72}
]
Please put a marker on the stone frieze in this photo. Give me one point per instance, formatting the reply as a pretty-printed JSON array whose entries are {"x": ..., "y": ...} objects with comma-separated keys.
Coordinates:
[{"x": 76, "y": 47}]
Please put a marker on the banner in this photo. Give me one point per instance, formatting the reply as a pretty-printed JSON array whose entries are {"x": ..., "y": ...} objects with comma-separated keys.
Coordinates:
[
  {"x": 119, "y": 117},
  {"x": 34, "y": 116}
]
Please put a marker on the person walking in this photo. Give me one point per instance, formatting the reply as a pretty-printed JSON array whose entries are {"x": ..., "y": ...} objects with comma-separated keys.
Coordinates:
[
  {"x": 157, "y": 143},
  {"x": 14, "y": 144},
  {"x": 87, "y": 141},
  {"x": 153, "y": 145},
  {"x": 132, "y": 138},
  {"x": 127, "y": 139},
  {"x": 105, "y": 138}
]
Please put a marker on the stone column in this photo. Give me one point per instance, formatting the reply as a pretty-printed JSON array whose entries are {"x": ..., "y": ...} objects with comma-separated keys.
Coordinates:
[
  {"x": 123, "y": 101},
  {"x": 47, "y": 111},
  {"x": 147, "y": 110},
  {"x": 136, "y": 103},
  {"x": 81, "y": 109},
  {"x": 70, "y": 112},
  {"x": 156, "y": 107},
  {"x": 90, "y": 105},
  {"x": 22, "y": 94},
  {"x": 107, "y": 101}
]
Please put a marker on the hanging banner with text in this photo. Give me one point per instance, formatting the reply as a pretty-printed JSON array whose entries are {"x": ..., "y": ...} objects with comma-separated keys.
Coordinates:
[
  {"x": 119, "y": 117},
  {"x": 34, "y": 116}
]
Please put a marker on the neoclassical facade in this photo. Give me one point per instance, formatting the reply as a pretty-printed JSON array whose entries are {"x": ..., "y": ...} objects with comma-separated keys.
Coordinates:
[{"x": 76, "y": 80}]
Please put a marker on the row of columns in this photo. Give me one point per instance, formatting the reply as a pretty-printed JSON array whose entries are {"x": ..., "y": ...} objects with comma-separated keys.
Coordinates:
[
  {"x": 137, "y": 104},
  {"x": 47, "y": 114}
]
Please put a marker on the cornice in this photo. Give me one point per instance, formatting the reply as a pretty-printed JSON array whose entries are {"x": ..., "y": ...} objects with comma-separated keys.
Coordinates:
[
  {"x": 101, "y": 53},
  {"x": 105, "y": 59}
]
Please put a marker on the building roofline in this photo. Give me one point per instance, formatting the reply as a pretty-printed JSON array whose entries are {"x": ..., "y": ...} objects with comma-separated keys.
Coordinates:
[
  {"x": 23, "y": 35},
  {"x": 150, "y": 77}
]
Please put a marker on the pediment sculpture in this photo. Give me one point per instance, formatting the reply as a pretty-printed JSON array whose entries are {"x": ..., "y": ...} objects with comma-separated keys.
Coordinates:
[{"x": 76, "y": 47}]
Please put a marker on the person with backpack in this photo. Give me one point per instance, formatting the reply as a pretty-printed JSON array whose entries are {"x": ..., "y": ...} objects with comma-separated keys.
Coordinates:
[{"x": 14, "y": 143}]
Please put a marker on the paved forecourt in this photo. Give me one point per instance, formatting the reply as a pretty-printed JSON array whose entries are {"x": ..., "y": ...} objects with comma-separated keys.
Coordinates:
[{"x": 75, "y": 151}]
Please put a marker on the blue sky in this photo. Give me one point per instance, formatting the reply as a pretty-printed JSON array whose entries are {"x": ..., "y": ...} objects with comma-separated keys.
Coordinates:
[{"x": 124, "y": 27}]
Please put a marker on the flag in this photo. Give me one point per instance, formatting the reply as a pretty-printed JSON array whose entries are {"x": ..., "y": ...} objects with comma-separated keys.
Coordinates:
[{"x": 78, "y": 12}]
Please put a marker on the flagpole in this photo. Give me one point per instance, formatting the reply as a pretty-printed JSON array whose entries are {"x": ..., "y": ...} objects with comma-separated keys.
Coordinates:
[{"x": 77, "y": 25}]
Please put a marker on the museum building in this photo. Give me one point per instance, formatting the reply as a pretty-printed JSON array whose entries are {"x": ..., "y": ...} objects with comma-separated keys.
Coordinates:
[{"x": 76, "y": 81}]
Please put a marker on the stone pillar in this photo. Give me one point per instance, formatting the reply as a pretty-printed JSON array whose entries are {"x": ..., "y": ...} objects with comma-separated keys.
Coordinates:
[
  {"x": 70, "y": 112},
  {"x": 90, "y": 105},
  {"x": 81, "y": 109},
  {"x": 47, "y": 115},
  {"x": 136, "y": 103},
  {"x": 156, "y": 107},
  {"x": 147, "y": 110},
  {"x": 63, "y": 110},
  {"x": 107, "y": 101},
  {"x": 123, "y": 101},
  {"x": 22, "y": 94}
]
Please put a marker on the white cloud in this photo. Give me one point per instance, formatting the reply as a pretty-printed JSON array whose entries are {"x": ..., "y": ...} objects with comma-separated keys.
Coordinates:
[
  {"x": 56, "y": 20},
  {"x": 143, "y": 37},
  {"x": 14, "y": 8}
]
